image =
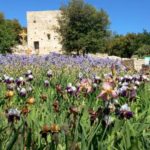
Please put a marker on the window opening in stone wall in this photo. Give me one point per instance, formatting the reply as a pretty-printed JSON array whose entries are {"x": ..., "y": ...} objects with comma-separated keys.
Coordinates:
[
  {"x": 48, "y": 36},
  {"x": 36, "y": 45}
]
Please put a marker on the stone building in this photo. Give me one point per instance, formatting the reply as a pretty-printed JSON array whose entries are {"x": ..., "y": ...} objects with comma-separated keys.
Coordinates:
[{"x": 41, "y": 35}]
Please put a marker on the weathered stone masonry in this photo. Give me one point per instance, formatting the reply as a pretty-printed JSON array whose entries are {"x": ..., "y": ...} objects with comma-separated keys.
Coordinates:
[{"x": 42, "y": 36}]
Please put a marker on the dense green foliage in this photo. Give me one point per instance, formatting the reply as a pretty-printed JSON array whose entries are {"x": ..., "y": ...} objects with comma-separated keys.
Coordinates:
[
  {"x": 9, "y": 34},
  {"x": 144, "y": 50},
  {"x": 129, "y": 44},
  {"x": 83, "y": 28}
]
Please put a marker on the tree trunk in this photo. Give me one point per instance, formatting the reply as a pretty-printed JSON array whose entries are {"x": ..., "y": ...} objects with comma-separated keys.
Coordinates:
[
  {"x": 83, "y": 53},
  {"x": 77, "y": 52}
]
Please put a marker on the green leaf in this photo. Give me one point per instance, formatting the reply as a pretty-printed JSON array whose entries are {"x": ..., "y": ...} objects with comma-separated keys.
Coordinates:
[
  {"x": 29, "y": 139},
  {"x": 12, "y": 141}
]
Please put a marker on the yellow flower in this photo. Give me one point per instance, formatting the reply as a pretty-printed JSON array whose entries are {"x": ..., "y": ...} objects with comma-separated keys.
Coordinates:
[
  {"x": 54, "y": 128},
  {"x": 30, "y": 100},
  {"x": 9, "y": 94}
]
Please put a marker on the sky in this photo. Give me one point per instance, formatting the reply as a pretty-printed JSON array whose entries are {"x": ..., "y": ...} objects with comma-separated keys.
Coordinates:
[{"x": 125, "y": 15}]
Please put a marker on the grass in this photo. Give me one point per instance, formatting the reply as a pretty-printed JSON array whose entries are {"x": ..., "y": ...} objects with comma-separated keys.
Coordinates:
[{"x": 72, "y": 129}]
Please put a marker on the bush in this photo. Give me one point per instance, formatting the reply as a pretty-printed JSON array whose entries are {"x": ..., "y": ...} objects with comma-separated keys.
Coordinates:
[{"x": 144, "y": 50}]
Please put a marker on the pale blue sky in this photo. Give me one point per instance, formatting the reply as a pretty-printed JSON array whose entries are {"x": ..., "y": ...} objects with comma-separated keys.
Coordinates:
[{"x": 125, "y": 15}]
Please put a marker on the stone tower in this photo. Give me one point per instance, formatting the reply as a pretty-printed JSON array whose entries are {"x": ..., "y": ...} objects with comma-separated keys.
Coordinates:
[{"x": 42, "y": 37}]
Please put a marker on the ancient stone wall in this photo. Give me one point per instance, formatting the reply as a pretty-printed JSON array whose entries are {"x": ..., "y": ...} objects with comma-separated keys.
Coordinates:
[{"x": 42, "y": 36}]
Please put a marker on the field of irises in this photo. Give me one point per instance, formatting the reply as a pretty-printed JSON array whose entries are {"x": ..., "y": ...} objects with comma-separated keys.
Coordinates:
[{"x": 58, "y": 102}]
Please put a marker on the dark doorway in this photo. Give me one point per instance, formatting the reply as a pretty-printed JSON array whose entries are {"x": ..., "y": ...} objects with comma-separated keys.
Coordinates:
[{"x": 36, "y": 45}]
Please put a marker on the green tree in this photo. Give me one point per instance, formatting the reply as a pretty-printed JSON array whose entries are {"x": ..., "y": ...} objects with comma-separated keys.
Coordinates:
[
  {"x": 83, "y": 28},
  {"x": 9, "y": 31},
  {"x": 1, "y": 17},
  {"x": 144, "y": 50},
  {"x": 123, "y": 46}
]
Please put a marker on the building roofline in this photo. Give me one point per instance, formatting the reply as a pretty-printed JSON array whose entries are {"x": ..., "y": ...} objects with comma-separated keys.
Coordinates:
[{"x": 40, "y": 11}]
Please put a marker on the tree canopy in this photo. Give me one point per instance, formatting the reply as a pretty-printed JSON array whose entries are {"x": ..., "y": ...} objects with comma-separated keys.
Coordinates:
[
  {"x": 129, "y": 44},
  {"x": 83, "y": 28},
  {"x": 9, "y": 33}
]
